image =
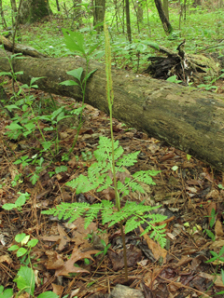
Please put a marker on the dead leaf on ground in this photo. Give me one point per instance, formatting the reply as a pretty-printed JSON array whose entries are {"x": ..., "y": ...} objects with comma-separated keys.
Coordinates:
[
  {"x": 58, "y": 289},
  {"x": 68, "y": 266},
  {"x": 62, "y": 238},
  {"x": 218, "y": 229},
  {"x": 80, "y": 235},
  {"x": 6, "y": 259},
  {"x": 134, "y": 255},
  {"x": 157, "y": 250},
  {"x": 217, "y": 279}
]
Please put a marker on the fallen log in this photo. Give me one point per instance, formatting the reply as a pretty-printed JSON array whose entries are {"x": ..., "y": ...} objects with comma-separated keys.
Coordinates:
[
  {"x": 184, "y": 117},
  {"x": 20, "y": 48}
]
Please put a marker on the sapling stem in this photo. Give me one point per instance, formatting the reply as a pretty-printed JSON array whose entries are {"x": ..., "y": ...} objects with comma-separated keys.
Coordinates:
[{"x": 110, "y": 99}]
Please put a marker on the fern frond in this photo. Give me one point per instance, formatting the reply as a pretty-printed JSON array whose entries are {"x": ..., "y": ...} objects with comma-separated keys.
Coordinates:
[
  {"x": 132, "y": 224},
  {"x": 82, "y": 184},
  {"x": 128, "y": 159},
  {"x": 145, "y": 176},
  {"x": 107, "y": 211},
  {"x": 108, "y": 181},
  {"x": 118, "y": 152},
  {"x": 136, "y": 187},
  {"x": 67, "y": 210},
  {"x": 122, "y": 189},
  {"x": 92, "y": 213}
]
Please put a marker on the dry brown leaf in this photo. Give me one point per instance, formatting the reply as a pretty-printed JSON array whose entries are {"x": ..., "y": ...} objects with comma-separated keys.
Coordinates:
[
  {"x": 216, "y": 245},
  {"x": 183, "y": 261},
  {"x": 80, "y": 234},
  {"x": 58, "y": 289},
  {"x": 211, "y": 206},
  {"x": 55, "y": 261},
  {"x": 217, "y": 279},
  {"x": 6, "y": 259},
  {"x": 156, "y": 249},
  {"x": 23, "y": 295},
  {"x": 218, "y": 229},
  {"x": 68, "y": 266},
  {"x": 63, "y": 135},
  {"x": 213, "y": 194},
  {"x": 62, "y": 238}
]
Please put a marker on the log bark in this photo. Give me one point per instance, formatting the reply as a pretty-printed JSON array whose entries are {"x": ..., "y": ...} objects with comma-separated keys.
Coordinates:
[
  {"x": 183, "y": 117},
  {"x": 20, "y": 48}
]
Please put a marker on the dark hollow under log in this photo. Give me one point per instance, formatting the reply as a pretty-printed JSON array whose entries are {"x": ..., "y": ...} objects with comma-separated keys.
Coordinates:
[{"x": 186, "y": 118}]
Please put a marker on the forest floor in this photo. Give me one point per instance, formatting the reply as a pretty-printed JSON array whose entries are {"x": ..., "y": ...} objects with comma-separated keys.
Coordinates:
[{"x": 186, "y": 188}]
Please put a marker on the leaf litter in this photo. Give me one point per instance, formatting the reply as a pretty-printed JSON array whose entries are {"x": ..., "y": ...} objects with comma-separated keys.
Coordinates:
[{"x": 66, "y": 259}]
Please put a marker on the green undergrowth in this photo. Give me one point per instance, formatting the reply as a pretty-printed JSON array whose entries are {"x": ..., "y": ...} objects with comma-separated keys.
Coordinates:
[{"x": 206, "y": 32}]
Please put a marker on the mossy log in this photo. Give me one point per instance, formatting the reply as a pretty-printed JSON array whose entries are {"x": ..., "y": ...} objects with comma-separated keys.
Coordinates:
[{"x": 184, "y": 117}]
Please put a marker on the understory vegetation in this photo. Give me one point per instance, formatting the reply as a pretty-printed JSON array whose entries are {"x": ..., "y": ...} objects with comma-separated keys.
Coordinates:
[{"x": 84, "y": 197}]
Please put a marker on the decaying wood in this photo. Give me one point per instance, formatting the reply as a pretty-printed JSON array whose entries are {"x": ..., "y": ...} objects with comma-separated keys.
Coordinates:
[
  {"x": 187, "y": 67},
  {"x": 185, "y": 118},
  {"x": 19, "y": 48}
]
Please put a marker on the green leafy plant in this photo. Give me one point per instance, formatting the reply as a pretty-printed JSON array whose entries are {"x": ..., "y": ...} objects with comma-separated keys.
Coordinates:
[
  {"x": 132, "y": 213},
  {"x": 75, "y": 42},
  {"x": 54, "y": 120},
  {"x": 25, "y": 281},
  {"x": 24, "y": 161},
  {"x": 173, "y": 79},
  {"x": 86, "y": 155},
  {"x": 105, "y": 249},
  {"x": 18, "y": 203},
  {"x": 17, "y": 179},
  {"x": 7, "y": 293},
  {"x": 34, "y": 177},
  {"x": 25, "y": 278},
  {"x": 210, "y": 85},
  {"x": 23, "y": 125},
  {"x": 77, "y": 74},
  {"x": 211, "y": 223},
  {"x": 24, "y": 248},
  {"x": 102, "y": 175},
  {"x": 218, "y": 257},
  {"x": 220, "y": 186}
]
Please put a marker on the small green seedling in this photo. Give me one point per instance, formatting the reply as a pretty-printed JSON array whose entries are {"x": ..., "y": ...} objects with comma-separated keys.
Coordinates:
[
  {"x": 174, "y": 79},
  {"x": 211, "y": 223},
  {"x": 7, "y": 293},
  {"x": 220, "y": 186},
  {"x": 104, "y": 251},
  {"x": 25, "y": 247},
  {"x": 25, "y": 281},
  {"x": 18, "y": 203}
]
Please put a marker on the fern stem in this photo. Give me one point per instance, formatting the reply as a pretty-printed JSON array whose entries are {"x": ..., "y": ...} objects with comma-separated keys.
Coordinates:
[
  {"x": 110, "y": 98},
  {"x": 125, "y": 252}
]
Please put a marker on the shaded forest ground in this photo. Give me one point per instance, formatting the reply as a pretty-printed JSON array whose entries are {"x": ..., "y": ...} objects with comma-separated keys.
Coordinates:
[{"x": 186, "y": 188}]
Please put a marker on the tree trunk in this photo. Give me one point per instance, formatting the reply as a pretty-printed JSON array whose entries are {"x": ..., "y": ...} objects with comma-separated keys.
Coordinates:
[
  {"x": 139, "y": 13},
  {"x": 99, "y": 12},
  {"x": 13, "y": 5},
  {"x": 58, "y": 6},
  {"x": 77, "y": 12},
  {"x": 34, "y": 10},
  {"x": 196, "y": 3},
  {"x": 128, "y": 20},
  {"x": 2, "y": 15},
  {"x": 166, "y": 24},
  {"x": 185, "y": 118},
  {"x": 166, "y": 8}
]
